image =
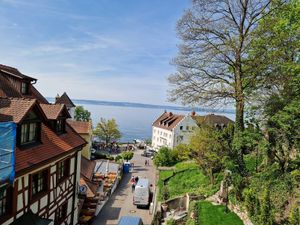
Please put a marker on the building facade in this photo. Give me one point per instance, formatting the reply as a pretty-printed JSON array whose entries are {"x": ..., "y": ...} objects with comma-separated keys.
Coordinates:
[
  {"x": 47, "y": 156},
  {"x": 170, "y": 129}
]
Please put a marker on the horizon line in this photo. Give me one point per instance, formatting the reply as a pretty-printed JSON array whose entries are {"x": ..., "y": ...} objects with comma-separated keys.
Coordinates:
[{"x": 147, "y": 105}]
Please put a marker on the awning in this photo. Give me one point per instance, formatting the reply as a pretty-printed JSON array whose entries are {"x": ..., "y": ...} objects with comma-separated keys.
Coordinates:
[{"x": 32, "y": 219}]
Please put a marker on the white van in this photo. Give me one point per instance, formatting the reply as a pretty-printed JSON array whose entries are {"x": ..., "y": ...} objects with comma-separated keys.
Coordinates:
[{"x": 141, "y": 196}]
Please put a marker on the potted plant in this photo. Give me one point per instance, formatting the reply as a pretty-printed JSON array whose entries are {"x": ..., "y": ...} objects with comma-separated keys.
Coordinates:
[{"x": 165, "y": 197}]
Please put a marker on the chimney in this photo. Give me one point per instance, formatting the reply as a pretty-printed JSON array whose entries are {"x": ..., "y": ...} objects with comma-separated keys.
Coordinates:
[
  {"x": 193, "y": 113},
  {"x": 170, "y": 114}
]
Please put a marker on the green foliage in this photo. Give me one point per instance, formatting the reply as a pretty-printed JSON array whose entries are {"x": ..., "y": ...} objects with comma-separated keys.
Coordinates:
[
  {"x": 127, "y": 155},
  {"x": 107, "y": 130},
  {"x": 118, "y": 158},
  {"x": 250, "y": 201},
  {"x": 82, "y": 114},
  {"x": 294, "y": 217},
  {"x": 266, "y": 217},
  {"x": 186, "y": 165},
  {"x": 187, "y": 178},
  {"x": 207, "y": 149},
  {"x": 98, "y": 155},
  {"x": 165, "y": 193},
  {"x": 210, "y": 214},
  {"x": 171, "y": 222},
  {"x": 165, "y": 157},
  {"x": 182, "y": 151}
]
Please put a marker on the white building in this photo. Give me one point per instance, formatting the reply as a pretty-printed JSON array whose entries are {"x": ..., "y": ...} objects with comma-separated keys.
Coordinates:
[{"x": 171, "y": 129}]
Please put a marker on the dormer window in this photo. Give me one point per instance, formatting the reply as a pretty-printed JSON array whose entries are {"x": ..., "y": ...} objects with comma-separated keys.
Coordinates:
[
  {"x": 30, "y": 130},
  {"x": 60, "y": 126},
  {"x": 28, "y": 133},
  {"x": 25, "y": 88}
]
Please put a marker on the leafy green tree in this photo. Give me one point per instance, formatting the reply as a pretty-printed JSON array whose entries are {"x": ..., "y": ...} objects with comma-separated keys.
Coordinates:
[
  {"x": 276, "y": 73},
  {"x": 165, "y": 157},
  {"x": 207, "y": 149},
  {"x": 182, "y": 151},
  {"x": 127, "y": 155},
  {"x": 107, "y": 130},
  {"x": 82, "y": 114}
]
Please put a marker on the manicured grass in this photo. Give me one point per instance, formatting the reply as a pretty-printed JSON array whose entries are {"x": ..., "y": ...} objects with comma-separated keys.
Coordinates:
[{"x": 209, "y": 214}]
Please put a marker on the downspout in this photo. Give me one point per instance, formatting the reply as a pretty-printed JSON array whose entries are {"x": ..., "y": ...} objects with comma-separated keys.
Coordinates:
[{"x": 75, "y": 187}]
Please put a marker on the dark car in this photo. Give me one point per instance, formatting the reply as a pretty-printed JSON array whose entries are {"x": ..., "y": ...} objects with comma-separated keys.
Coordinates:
[{"x": 149, "y": 153}]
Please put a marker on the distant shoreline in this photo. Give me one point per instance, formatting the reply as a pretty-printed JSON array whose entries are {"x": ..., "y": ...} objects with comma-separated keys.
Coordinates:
[{"x": 143, "y": 105}]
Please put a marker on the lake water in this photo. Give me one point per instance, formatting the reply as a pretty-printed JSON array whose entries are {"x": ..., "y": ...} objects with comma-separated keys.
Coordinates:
[{"x": 135, "y": 121}]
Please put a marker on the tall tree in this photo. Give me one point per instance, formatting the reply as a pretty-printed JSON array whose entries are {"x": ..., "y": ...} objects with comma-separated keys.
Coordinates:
[
  {"x": 212, "y": 64},
  {"x": 277, "y": 67},
  {"x": 107, "y": 130},
  {"x": 82, "y": 114}
]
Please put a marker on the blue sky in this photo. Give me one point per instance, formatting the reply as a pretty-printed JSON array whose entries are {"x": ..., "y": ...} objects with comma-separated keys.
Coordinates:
[{"x": 116, "y": 50}]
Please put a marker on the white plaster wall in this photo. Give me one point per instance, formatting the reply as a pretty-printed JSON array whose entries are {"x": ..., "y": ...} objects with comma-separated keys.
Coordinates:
[
  {"x": 188, "y": 126},
  {"x": 161, "y": 137}
]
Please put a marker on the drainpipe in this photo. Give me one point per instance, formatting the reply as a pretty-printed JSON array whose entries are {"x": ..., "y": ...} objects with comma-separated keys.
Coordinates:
[{"x": 75, "y": 188}]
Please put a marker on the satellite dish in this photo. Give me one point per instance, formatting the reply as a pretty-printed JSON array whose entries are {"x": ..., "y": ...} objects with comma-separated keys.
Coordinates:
[{"x": 82, "y": 189}]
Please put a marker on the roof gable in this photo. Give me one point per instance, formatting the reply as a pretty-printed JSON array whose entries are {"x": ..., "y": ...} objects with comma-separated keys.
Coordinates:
[
  {"x": 52, "y": 112},
  {"x": 64, "y": 99},
  {"x": 16, "y": 109}
]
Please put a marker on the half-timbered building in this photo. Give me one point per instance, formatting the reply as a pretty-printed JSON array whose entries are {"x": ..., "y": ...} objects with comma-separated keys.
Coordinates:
[{"x": 48, "y": 154}]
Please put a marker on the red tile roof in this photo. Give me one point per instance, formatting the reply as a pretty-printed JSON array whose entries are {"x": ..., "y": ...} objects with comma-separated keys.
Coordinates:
[
  {"x": 168, "y": 120},
  {"x": 53, "y": 111},
  {"x": 81, "y": 127},
  {"x": 87, "y": 168},
  {"x": 52, "y": 146},
  {"x": 15, "y": 109},
  {"x": 64, "y": 99}
]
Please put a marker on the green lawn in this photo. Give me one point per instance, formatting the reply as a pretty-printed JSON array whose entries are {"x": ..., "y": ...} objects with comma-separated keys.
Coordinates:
[
  {"x": 210, "y": 214},
  {"x": 188, "y": 179}
]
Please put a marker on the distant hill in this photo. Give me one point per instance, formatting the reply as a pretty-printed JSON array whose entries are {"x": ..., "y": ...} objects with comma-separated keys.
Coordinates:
[{"x": 143, "y": 105}]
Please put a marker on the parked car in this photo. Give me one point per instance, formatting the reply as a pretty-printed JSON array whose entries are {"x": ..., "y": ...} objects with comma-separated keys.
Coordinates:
[
  {"x": 142, "y": 193},
  {"x": 130, "y": 220},
  {"x": 149, "y": 152}
]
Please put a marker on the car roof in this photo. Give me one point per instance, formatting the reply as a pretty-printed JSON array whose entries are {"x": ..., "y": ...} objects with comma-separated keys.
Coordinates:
[
  {"x": 142, "y": 182},
  {"x": 130, "y": 220}
]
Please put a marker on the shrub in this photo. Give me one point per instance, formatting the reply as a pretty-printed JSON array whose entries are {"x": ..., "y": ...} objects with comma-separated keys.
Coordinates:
[
  {"x": 165, "y": 193},
  {"x": 165, "y": 157},
  {"x": 127, "y": 155}
]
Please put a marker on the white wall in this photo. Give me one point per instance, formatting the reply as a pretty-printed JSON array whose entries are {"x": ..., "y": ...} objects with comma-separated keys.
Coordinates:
[{"x": 181, "y": 133}]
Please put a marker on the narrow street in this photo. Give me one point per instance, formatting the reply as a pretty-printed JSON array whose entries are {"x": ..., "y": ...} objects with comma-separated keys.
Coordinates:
[{"x": 120, "y": 203}]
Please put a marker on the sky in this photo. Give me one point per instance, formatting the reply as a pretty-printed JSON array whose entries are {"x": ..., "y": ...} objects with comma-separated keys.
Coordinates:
[{"x": 114, "y": 50}]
